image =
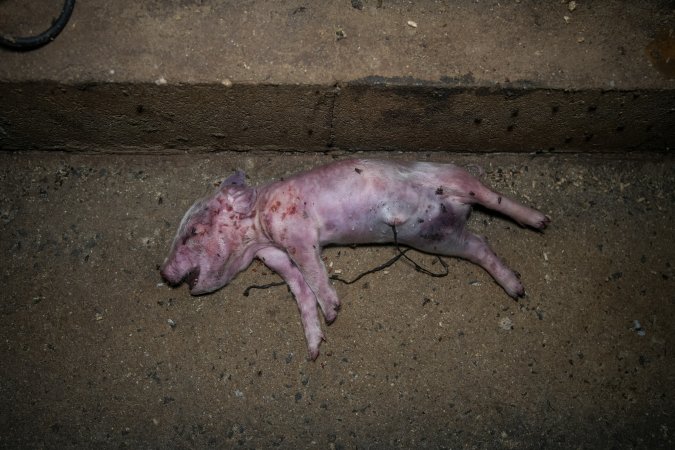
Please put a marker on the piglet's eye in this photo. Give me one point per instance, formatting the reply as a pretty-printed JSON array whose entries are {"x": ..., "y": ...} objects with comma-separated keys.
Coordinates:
[{"x": 187, "y": 236}]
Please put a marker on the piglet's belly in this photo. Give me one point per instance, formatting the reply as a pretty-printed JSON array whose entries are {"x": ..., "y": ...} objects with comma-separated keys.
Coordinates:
[
  {"x": 356, "y": 233},
  {"x": 377, "y": 224}
]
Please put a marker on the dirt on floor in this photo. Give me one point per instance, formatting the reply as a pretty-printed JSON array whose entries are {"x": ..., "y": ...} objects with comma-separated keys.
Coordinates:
[{"x": 97, "y": 351}]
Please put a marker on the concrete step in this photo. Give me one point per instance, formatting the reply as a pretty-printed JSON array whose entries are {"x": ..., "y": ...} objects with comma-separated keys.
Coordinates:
[{"x": 317, "y": 76}]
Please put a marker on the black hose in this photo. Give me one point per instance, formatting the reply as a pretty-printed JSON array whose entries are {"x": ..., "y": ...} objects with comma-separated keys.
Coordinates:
[{"x": 23, "y": 44}]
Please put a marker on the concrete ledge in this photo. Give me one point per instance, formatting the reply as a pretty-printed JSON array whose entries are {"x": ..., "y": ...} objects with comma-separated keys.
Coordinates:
[
  {"x": 503, "y": 118},
  {"x": 355, "y": 116},
  {"x": 320, "y": 76},
  {"x": 121, "y": 117}
]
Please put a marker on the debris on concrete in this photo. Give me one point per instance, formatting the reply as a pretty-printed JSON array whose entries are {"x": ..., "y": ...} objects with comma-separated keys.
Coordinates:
[
  {"x": 357, "y": 4},
  {"x": 340, "y": 33},
  {"x": 637, "y": 327},
  {"x": 505, "y": 323}
]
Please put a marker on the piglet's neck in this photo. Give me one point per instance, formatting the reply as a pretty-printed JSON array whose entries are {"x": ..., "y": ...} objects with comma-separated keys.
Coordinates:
[{"x": 259, "y": 229}]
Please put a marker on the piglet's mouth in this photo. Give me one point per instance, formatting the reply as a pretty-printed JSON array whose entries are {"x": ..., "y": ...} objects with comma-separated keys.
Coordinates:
[{"x": 192, "y": 278}]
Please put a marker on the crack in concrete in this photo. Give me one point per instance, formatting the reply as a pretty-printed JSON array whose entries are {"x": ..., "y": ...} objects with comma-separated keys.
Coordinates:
[{"x": 333, "y": 93}]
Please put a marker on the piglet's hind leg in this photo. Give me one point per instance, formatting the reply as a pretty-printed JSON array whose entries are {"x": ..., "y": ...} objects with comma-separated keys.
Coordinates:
[
  {"x": 476, "y": 249},
  {"x": 279, "y": 261},
  {"x": 481, "y": 194},
  {"x": 468, "y": 246}
]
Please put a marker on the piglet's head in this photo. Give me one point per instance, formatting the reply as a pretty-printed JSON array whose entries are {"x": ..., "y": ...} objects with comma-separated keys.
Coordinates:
[{"x": 214, "y": 238}]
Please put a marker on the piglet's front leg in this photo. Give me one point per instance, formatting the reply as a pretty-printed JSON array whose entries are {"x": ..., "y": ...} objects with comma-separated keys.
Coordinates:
[
  {"x": 300, "y": 238},
  {"x": 308, "y": 260},
  {"x": 278, "y": 261}
]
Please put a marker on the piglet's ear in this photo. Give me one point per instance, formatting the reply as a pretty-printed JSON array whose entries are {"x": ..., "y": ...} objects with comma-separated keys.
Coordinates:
[
  {"x": 237, "y": 179},
  {"x": 242, "y": 199}
]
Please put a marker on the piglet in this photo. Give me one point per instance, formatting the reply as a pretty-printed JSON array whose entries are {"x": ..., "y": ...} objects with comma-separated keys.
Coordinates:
[{"x": 286, "y": 223}]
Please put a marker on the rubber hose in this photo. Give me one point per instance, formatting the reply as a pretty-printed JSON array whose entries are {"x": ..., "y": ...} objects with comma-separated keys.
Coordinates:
[{"x": 22, "y": 44}]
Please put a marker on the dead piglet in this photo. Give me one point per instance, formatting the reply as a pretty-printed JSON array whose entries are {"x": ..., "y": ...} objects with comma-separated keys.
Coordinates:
[{"x": 286, "y": 223}]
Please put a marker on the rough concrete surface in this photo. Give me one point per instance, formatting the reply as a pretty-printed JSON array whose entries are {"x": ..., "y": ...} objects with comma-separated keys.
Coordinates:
[
  {"x": 351, "y": 75},
  {"x": 96, "y": 351},
  {"x": 601, "y": 44}
]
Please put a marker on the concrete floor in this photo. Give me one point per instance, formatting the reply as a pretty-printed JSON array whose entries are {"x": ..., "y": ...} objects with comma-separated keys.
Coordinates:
[
  {"x": 600, "y": 45},
  {"x": 96, "y": 351}
]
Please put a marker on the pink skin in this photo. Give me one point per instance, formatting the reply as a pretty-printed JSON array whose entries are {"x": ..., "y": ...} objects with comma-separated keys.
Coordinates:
[{"x": 286, "y": 224}]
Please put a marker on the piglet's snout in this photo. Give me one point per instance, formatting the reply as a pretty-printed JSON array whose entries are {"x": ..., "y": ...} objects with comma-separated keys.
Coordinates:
[
  {"x": 170, "y": 275},
  {"x": 175, "y": 277}
]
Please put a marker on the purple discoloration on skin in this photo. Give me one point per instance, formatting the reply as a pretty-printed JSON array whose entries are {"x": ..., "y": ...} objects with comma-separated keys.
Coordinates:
[{"x": 286, "y": 223}]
